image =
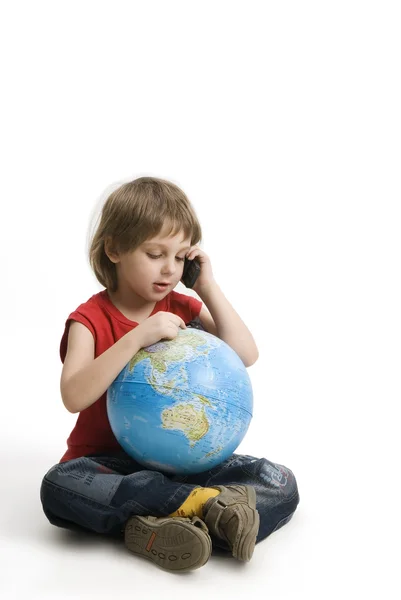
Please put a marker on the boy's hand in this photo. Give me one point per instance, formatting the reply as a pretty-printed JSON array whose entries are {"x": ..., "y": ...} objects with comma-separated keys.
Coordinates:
[
  {"x": 160, "y": 326},
  {"x": 205, "y": 277}
]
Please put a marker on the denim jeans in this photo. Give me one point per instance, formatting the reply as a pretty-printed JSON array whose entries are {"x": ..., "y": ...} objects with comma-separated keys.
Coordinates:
[{"x": 99, "y": 493}]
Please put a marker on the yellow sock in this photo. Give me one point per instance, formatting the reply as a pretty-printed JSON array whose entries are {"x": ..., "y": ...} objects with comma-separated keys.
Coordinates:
[{"x": 195, "y": 502}]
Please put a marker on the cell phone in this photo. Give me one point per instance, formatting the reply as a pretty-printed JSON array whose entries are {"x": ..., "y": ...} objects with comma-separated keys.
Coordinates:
[{"x": 191, "y": 272}]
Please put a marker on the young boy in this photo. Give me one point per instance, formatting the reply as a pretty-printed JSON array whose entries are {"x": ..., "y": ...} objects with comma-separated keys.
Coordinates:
[{"x": 146, "y": 230}]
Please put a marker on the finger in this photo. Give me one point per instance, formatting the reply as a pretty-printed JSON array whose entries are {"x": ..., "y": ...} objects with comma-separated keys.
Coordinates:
[
  {"x": 178, "y": 322},
  {"x": 195, "y": 251}
]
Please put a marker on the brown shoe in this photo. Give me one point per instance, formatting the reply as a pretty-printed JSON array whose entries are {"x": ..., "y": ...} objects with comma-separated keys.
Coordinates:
[
  {"x": 232, "y": 517},
  {"x": 173, "y": 543}
]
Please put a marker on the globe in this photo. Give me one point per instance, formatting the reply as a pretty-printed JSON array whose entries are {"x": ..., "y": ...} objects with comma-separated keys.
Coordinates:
[{"x": 181, "y": 406}]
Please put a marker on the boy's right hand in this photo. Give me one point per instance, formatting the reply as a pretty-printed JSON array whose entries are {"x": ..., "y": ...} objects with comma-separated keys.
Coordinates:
[{"x": 162, "y": 325}]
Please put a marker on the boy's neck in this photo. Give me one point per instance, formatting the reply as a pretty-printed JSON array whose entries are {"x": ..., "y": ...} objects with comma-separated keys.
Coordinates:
[{"x": 132, "y": 307}]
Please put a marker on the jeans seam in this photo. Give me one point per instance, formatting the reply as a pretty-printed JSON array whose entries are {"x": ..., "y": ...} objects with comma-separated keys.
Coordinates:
[
  {"x": 74, "y": 493},
  {"x": 90, "y": 502}
]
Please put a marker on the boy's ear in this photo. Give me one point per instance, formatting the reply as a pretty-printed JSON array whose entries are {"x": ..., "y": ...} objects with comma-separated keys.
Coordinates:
[{"x": 110, "y": 251}]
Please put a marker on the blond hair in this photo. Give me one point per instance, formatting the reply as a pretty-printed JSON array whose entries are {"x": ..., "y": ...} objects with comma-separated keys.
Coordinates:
[{"x": 134, "y": 213}]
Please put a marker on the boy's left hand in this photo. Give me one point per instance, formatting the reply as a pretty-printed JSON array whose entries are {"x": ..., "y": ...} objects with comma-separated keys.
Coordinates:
[{"x": 205, "y": 277}]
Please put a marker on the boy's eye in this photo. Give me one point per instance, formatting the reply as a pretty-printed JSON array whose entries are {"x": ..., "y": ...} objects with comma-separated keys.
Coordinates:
[{"x": 159, "y": 255}]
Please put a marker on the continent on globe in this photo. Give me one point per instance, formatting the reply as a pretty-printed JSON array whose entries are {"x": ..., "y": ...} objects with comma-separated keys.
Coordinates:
[
  {"x": 186, "y": 418},
  {"x": 164, "y": 353}
]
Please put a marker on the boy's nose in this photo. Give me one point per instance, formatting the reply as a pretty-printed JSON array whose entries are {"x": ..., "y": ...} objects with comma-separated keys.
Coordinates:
[{"x": 169, "y": 269}]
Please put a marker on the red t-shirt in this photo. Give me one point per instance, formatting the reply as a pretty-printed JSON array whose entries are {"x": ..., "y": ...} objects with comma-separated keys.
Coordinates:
[{"x": 92, "y": 433}]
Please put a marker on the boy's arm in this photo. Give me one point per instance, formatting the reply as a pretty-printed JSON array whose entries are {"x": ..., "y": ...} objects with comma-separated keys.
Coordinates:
[
  {"x": 85, "y": 378},
  {"x": 224, "y": 322}
]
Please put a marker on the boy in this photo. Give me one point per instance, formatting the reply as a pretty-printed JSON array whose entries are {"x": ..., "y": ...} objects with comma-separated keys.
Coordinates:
[{"x": 147, "y": 229}]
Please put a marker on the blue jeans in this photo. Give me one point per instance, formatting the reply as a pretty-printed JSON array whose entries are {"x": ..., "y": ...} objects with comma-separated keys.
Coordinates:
[{"x": 99, "y": 493}]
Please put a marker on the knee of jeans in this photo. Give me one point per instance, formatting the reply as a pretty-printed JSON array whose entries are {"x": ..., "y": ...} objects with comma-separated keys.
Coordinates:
[
  {"x": 44, "y": 490},
  {"x": 48, "y": 475},
  {"x": 45, "y": 499},
  {"x": 280, "y": 479},
  {"x": 45, "y": 486}
]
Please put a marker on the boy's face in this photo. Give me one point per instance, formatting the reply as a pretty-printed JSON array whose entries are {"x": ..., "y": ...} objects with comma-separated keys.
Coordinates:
[{"x": 158, "y": 260}]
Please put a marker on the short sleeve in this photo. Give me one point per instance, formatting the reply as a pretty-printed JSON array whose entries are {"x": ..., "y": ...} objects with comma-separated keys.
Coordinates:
[{"x": 75, "y": 316}]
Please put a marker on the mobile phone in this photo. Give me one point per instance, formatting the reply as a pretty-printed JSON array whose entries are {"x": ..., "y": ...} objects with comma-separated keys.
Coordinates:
[{"x": 191, "y": 272}]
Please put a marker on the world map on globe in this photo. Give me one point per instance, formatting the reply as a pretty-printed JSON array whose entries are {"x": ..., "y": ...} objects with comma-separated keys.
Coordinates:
[{"x": 183, "y": 405}]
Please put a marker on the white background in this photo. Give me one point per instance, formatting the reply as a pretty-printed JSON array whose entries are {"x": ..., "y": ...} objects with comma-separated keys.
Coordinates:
[{"x": 281, "y": 122}]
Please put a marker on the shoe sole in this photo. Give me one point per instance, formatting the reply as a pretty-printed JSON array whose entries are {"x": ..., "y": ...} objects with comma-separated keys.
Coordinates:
[
  {"x": 172, "y": 545},
  {"x": 247, "y": 541}
]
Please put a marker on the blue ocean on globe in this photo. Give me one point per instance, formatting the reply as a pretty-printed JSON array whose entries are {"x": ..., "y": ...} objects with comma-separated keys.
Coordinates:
[{"x": 181, "y": 406}]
